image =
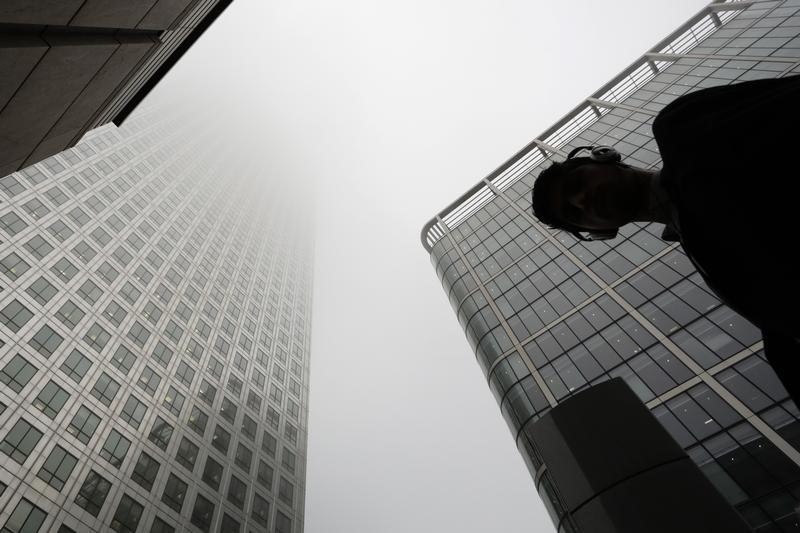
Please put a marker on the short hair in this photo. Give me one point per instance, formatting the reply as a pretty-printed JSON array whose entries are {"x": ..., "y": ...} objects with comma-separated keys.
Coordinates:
[{"x": 541, "y": 195}]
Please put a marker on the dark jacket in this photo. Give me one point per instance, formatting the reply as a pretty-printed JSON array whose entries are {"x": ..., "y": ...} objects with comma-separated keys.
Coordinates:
[{"x": 730, "y": 169}]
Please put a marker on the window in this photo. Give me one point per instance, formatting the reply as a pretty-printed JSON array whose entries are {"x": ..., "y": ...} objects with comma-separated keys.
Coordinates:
[
  {"x": 122, "y": 256},
  {"x": 36, "y": 208},
  {"x": 95, "y": 204},
  {"x": 161, "y": 433},
  {"x": 128, "y": 514},
  {"x": 228, "y": 410},
  {"x": 20, "y": 441},
  {"x": 159, "y": 526},
  {"x": 76, "y": 365},
  {"x": 174, "y": 400},
  {"x": 269, "y": 444},
  {"x": 93, "y": 493},
  {"x": 273, "y": 417},
  {"x": 161, "y": 354},
  {"x": 78, "y": 216},
  {"x": 115, "y": 313},
  {"x": 17, "y": 373},
  {"x": 288, "y": 459},
  {"x": 84, "y": 252},
  {"x": 187, "y": 454},
  {"x": 145, "y": 471},
  {"x": 265, "y": 474},
  {"x": 57, "y": 468},
  {"x": 174, "y": 493},
  {"x": 184, "y": 312},
  {"x": 149, "y": 381},
  {"x": 194, "y": 350},
  {"x": 202, "y": 513},
  {"x": 107, "y": 272},
  {"x": 74, "y": 185},
  {"x": 130, "y": 293},
  {"x": 115, "y": 448},
  {"x": 234, "y": 385},
  {"x": 56, "y": 195},
  {"x": 133, "y": 411},
  {"x": 51, "y": 399},
  {"x": 90, "y": 292},
  {"x": 212, "y": 473},
  {"x": 100, "y": 236},
  {"x": 70, "y": 314},
  {"x": 197, "y": 421},
  {"x": 215, "y": 367},
  {"x": 12, "y": 223},
  {"x": 105, "y": 389},
  {"x": 286, "y": 491},
  {"x": 142, "y": 275},
  {"x": 249, "y": 427},
  {"x": 184, "y": 373},
  {"x": 46, "y": 341},
  {"x": 15, "y": 315},
  {"x": 11, "y": 186},
  {"x": 38, "y": 247},
  {"x": 64, "y": 269},
  {"x": 253, "y": 401},
  {"x": 261, "y": 510},
  {"x": 290, "y": 432},
  {"x": 221, "y": 439},
  {"x": 84, "y": 424},
  {"x": 115, "y": 223},
  {"x": 14, "y": 266},
  {"x": 229, "y": 524},
  {"x": 151, "y": 313},
  {"x": 26, "y": 518},
  {"x": 283, "y": 524},
  {"x": 244, "y": 457},
  {"x": 237, "y": 492},
  {"x": 173, "y": 332},
  {"x": 139, "y": 334},
  {"x": 123, "y": 359},
  {"x": 207, "y": 392}
]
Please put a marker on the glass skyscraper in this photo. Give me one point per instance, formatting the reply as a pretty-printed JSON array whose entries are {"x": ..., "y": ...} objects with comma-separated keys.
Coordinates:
[
  {"x": 154, "y": 340},
  {"x": 549, "y": 316}
]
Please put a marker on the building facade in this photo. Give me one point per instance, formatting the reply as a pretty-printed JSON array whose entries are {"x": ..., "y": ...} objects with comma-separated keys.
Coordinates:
[
  {"x": 72, "y": 65},
  {"x": 549, "y": 316},
  {"x": 154, "y": 341}
]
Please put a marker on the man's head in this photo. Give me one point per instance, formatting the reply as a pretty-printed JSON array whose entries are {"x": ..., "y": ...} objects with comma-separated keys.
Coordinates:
[{"x": 595, "y": 194}]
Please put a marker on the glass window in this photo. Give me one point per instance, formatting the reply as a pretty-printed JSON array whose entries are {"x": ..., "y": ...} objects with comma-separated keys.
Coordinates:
[
  {"x": 207, "y": 392},
  {"x": 244, "y": 457},
  {"x": 174, "y": 493},
  {"x": 46, "y": 341},
  {"x": 149, "y": 381},
  {"x": 90, "y": 292},
  {"x": 288, "y": 459},
  {"x": 83, "y": 425},
  {"x": 13, "y": 266},
  {"x": 57, "y": 468},
  {"x": 93, "y": 493},
  {"x": 237, "y": 492},
  {"x": 51, "y": 399},
  {"x": 163, "y": 355},
  {"x": 101, "y": 237},
  {"x": 76, "y": 365},
  {"x": 130, "y": 293},
  {"x": 60, "y": 230},
  {"x": 70, "y": 314},
  {"x": 38, "y": 247},
  {"x": 84, "y": 252},
  {"x": 261, "y": 510},
  {"x": 159, "y": 526},
  {"x": 17, "y": 373},
  {"x": 97, "y": 337},
  {"x": 203, "y": 513},
  {"x": 36, "y": 208},
  {"x": 197, "y": 421},
  {"x": 174, "y": 400},
  {"x": 20, "y": 441},
  {"x": 133, "y": 411},
  {"x": 161, "y": 433},
  {"x": 128, "y": 514},
  {"x": 115, "y": 448},
  {"x": 228, "y": 410},
  {"x": 105, "y": 389},
  {"x": 283, "y": 524},
  {"x": 185, "y": 373},
  {"x": 107, "y": 272},
  {"x": 139, "y": 334},
  {"x": 212, "y": 473},
  {"x": 269, "y": 444},
  {"x": 145, "y": 471},
  {"x": 265, "y": 474},
  {"x": 286, "y": 491},
  {"x": 229, "y": 524},
  {"x": 123, "y": 359},
  {"x": 221, "y": 439},
  {"x": 12, "y": 224},
  {"x": 187, "y": 454},
  {"x": 26, "y": 518},
  {"x": 152, "y": 313},
  {"x": 15, "y": 315},
  {"x": 64, "y": 269}
]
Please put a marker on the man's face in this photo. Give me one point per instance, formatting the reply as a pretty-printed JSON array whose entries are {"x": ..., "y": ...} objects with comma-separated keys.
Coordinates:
[{"x": 597, "y": 197}]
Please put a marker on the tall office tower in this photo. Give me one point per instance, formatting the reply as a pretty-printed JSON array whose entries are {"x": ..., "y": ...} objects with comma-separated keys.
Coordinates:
[
  {"x": 72, "y": 65},
  {"x": 154, "y": 333},
  {"x": 548, "y": 315}
]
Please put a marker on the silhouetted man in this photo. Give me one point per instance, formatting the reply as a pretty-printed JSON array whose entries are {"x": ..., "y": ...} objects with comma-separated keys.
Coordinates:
[{"x": 729, "y": 190}]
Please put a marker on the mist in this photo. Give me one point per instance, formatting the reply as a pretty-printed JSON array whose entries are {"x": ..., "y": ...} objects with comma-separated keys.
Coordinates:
[{"x": 369, "y": 118}]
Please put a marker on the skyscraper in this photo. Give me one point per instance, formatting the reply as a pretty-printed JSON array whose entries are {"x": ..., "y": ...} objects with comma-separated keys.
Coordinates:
[
  {"x": 72, "y": 65},
  {"x": 154, "y": 333},
  {"x": 549, "y": 316}
]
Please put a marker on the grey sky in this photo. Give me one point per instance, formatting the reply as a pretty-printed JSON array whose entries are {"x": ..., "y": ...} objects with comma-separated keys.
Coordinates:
[{"x": 386, "y": 112}]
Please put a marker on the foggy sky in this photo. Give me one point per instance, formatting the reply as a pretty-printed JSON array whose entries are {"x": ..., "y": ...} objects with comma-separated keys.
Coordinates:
[{"x": 381, "y": 114}]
